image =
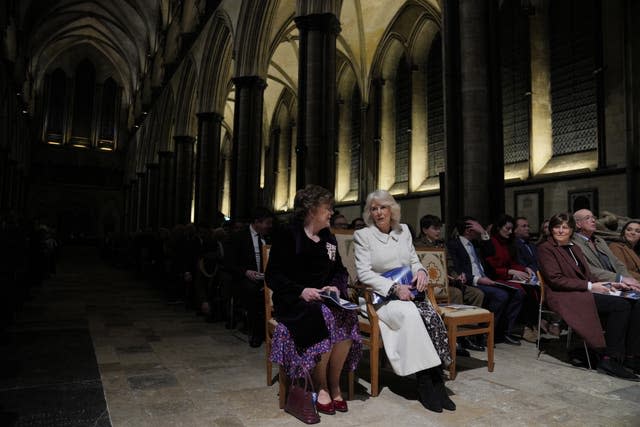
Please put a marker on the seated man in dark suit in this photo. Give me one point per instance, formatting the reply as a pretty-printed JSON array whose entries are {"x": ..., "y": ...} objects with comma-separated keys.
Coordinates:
[
  {"x": 526, "y": 252},
  {"x": 430, "y": 236},
  {"x": 245, "y": 263},
  {"x": 467, "y": 250}
]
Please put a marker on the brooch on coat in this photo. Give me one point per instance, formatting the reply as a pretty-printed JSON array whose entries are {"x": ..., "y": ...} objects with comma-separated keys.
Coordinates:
[{"x": 331, "y": 251}]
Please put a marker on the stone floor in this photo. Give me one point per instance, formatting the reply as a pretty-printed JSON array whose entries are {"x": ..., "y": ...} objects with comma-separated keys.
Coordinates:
[{"x": 163, "y": 366}]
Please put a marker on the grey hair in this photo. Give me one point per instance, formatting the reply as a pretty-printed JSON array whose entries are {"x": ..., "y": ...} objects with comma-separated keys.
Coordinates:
[{"x": 386, "y": 199}]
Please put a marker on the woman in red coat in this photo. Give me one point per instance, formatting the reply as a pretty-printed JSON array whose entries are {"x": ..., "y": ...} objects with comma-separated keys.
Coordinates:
[
  {"x": 573, "y": 293},
  {"x": 502, "y": 262},
  {"x": 503, "y": 268}
]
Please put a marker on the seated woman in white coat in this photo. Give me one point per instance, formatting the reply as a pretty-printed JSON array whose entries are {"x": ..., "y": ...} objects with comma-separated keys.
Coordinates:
[{"x": 414, "y": 337}]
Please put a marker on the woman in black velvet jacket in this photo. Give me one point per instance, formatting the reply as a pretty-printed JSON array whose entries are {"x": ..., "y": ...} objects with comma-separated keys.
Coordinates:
[{"x": 312, "y": 336}]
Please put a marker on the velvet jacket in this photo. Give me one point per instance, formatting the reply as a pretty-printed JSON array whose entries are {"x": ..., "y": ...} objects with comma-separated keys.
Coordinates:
[
  {"x": 568, "y": 292},
  {"x": 296, "y": 262},
  {"x": 625, "y": 253}
]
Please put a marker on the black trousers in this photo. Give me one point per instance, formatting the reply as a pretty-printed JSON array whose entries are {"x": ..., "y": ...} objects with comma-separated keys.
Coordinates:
[
  {"x": 250, "y": 295},
  {"x": 621, "y": 317}
]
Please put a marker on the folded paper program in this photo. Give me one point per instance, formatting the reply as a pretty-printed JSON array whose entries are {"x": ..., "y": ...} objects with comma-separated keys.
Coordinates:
[{"x": 402, "y": 276}]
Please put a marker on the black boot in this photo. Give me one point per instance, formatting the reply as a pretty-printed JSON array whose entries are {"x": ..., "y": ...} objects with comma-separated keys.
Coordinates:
[
  {"x": 427, "y": 393},
  {"x": 437, "y": 379}
]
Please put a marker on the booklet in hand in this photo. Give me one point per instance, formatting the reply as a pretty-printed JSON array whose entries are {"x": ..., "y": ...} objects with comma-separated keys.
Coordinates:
[
  {"x": 332, "y": 297},
  {"x": 401, "y": 275},
  {"x": 634, "y": 295}
]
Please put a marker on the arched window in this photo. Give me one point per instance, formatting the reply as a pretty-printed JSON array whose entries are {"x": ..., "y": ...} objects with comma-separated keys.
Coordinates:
[
  {"x": 573, "y": 42},
  {"x": 83, "y": 104},
  {"x": 403, "y": 120},
  {"x": 108, "y": 111},
  {"x": 356, "y": 126},
  {"x": 435, "y": 109},
  {"x": 56, "y": 107},
  {"x": 515, "y": 74}
]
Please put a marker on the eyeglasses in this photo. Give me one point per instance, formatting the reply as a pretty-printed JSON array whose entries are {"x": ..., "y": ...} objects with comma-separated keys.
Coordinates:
[{"x": 586, "y": 218}]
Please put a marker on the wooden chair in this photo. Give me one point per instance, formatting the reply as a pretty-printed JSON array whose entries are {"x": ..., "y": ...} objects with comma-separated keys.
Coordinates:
[
  {"x": 367, "y": 320},
  {"x": 542, "y": 309},
  {"x": 370, "y": 334},
  {"x": 270, "y": 327},
  {"x": 459, "y": 322}
]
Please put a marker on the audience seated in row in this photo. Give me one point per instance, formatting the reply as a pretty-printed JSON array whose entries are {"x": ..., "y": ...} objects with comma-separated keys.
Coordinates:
[
  {"x": 580, "y": 271},
  {"x": 469, "y": 250}
]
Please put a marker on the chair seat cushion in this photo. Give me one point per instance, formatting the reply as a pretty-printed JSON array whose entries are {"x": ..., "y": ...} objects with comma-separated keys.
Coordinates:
[{"x": 452, "y": 312}]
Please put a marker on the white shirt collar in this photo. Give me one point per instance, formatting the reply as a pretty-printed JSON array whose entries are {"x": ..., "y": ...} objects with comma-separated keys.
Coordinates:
[{"x": 465, "y": 241}]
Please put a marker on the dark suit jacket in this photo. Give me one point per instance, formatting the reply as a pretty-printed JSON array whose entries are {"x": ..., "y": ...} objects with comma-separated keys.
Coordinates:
[
  {"x": 462, "y": 261},
  {"x": 525, "y": 257},
  {"x": 567, "y": 290},
  {"x": 241, "y": 256}
]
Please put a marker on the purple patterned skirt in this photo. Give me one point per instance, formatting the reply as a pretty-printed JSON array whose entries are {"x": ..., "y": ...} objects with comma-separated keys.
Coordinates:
[{"x": 342, "y": 325}]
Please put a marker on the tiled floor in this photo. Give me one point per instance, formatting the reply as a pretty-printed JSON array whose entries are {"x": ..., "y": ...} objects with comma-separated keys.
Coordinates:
[{"x": 162, "y": 366}]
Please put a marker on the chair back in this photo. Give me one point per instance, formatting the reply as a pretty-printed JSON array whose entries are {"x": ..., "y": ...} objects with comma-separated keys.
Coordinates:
[
  {"x": 434, "y": 261},
  {"x": 542, "y": 286},
  {"x": 268, "y": 293},
  {"x": 346, "y": 248}
]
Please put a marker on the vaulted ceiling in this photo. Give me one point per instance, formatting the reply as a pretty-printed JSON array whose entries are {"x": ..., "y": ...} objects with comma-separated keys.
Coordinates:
[{"x": 120, "y": 36}]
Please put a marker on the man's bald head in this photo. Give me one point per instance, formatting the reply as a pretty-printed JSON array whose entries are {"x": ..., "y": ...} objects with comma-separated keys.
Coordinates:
[{"x": 585, "y": 222}]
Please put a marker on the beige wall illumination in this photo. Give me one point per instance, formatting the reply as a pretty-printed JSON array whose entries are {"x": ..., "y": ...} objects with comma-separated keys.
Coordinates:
[
  {"x": 387, "y": 162},
  {"x": 541, "y": 145},
  {"x": 418, "y": 153}
]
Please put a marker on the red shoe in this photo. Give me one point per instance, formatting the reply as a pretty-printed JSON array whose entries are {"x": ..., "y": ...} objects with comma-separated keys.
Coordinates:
[
  {"x": 326, "y": 408},
  {"x": 340, "y": 405}
]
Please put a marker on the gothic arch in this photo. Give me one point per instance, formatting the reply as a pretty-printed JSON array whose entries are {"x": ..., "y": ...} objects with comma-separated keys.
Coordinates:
[
  {"x": 403, "y": 48},
  {"x": 347, "y": 83},
  {"x": 253, "y": 35},
  {"x": 185, "y": 116},
  {"x": 168, "y": 115},
  {"x": 216, "y": 65},
  {"x": 280, "y": 153}
]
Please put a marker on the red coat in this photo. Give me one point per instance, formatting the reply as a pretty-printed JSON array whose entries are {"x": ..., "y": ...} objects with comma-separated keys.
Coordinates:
[
  {"x": 501, "y": 261},
  {"x": 567, "y": 290}
]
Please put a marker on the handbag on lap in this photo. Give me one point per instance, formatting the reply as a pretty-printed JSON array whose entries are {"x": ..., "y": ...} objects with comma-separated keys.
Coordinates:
[{"x": 301, "y": 400}]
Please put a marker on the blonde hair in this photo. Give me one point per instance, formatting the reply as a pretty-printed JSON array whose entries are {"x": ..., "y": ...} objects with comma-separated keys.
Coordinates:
[{"x": 386, "y": 199}]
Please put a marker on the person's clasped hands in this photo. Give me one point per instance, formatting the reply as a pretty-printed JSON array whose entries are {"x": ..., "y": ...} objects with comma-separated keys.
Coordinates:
[{"x": 419, "y": 282}]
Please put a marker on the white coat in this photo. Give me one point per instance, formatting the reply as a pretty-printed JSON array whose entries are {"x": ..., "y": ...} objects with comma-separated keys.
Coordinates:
[{"x": 406, "y": 340}]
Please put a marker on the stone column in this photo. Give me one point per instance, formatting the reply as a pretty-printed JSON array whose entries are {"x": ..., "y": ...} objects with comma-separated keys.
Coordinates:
[
  {"x": 10, "y": 184},
  {"x": 247, "y": 146},
  {"x": 475, "y": 165},
  {"x": 4, "y": 176},
  {"x": 20, "y": 190},
  {"x": 167, "y": 189},
  {"x": 134, "y": 206},
  {"x": 316, "y": 143},
  {"x": 632, "y": 100},
  {"x": 153, "y": 186},
  {"x": 184, "y": 178},
  {"x": 271, "y": 168},
  {"x": 126, "y": 208},
  {"x": 142, "y": 200},
  {"x": 208, "y": 181}
]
